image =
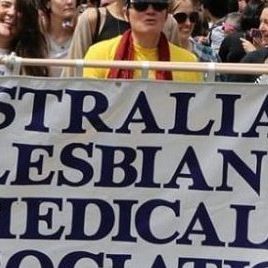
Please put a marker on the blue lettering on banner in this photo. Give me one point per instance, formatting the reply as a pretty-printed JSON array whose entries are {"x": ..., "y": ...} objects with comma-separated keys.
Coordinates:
[
  {"x": 24, "y": 164},
  {"x": 95, "y": 165},
  {"x": 107, "y": 219},
  {"x": 98, "y": 260},
  {"x": 77, "y": 100}
]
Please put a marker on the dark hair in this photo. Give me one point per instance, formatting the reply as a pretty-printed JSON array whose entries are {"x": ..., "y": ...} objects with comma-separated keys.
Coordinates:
[
  {"x": 250, "y": 17},
  {"x": 265, "y": 5},
  {"x": 95, "y": 3},
  {"x": 233, "y": 6},
  {"x": 217, "y": 8},
  {"x": 235, "y": 19},
  {"x": 29, "y": 42}
]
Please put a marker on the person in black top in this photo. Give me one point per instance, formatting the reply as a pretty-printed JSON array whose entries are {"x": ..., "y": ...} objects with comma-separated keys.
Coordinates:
[
  {"x": 259, "y": 55},
  {"x": 231, "y": 49}
]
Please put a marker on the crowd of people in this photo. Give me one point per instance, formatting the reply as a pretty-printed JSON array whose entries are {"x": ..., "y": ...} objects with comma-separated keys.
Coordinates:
[{"x": 142, "y": 30}]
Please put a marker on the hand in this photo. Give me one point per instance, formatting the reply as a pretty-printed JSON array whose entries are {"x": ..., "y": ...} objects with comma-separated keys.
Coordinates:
[
  {"x": 201, "y": 39},
  {"x": 247, "y": 45},
  {"x": 257, "y": 42}
]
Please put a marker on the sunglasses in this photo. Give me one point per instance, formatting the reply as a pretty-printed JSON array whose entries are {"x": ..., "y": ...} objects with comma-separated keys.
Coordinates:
[
  {"x": 181, "y": 17},
  {"x": 142, "y": 6}
]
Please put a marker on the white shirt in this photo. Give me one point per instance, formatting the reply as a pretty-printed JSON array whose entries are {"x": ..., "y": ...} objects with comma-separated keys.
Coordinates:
[{"x": 57, "y": 51}]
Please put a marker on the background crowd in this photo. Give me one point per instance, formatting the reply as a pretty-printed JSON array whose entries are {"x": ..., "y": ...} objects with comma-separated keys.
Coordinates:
[{"x": 182, "y": 30}]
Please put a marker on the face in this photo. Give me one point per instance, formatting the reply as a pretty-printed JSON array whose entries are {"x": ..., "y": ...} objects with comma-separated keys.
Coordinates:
[
  {"x": 229, "y": 27},
  {"x": 264, "y": 26},
  {"x": 186, "y": 18},
  {"x": 9, "y": 19},
  {"x": 241, "y": 5},
  {"x": 147, "y": 18},
  {"x": 63, "y": 8}
]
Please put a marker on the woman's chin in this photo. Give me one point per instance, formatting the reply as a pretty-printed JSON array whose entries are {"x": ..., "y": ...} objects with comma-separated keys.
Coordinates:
[{"x": 6, "y": 32}]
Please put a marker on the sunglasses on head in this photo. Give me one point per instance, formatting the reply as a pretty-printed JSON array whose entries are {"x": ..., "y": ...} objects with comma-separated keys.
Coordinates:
[
  {"x": 142, "y": 6},
  {"x": 181, "y": 17}
]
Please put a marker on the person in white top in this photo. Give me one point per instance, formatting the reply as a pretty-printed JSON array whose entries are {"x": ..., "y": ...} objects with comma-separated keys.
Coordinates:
[
  {"x": 20, "y": 33},
  {"x": 58, "y": 20}
]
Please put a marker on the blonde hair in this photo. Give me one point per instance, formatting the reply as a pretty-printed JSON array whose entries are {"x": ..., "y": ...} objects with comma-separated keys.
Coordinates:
[{"x": 175, "y": 4}]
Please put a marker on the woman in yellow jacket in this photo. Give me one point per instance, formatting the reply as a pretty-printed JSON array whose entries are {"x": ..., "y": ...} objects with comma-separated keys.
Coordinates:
[{"x": 145, "y": 41}]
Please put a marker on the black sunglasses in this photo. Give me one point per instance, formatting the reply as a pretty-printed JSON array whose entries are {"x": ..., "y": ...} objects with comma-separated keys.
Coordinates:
[
  {"x": 181, "y": 17},
  {"x": 142, "y": 6}
]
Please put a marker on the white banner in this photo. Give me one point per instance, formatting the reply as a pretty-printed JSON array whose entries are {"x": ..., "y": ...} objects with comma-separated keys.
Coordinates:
[{"x": 132, "y": 174}]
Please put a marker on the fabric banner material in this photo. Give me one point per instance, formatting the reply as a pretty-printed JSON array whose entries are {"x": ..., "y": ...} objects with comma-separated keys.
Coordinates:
[{"x": 132, "y": 174}]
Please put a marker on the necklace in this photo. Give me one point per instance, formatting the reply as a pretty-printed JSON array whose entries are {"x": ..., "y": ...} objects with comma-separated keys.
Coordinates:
[{"x": 58, "y": 50}]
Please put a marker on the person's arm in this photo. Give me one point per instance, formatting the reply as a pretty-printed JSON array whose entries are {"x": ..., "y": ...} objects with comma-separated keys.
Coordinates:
[
  {"x": 247, "y": 45},
  {"x": 251, "y": 57},
  {"x": 178, "y": 54},
  {"x": 104, "y": 50},
  {"x": 94, "y": 53}
]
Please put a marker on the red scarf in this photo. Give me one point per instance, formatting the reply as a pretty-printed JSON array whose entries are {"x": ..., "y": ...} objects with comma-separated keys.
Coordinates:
[{"x": 125, "y": 51}]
